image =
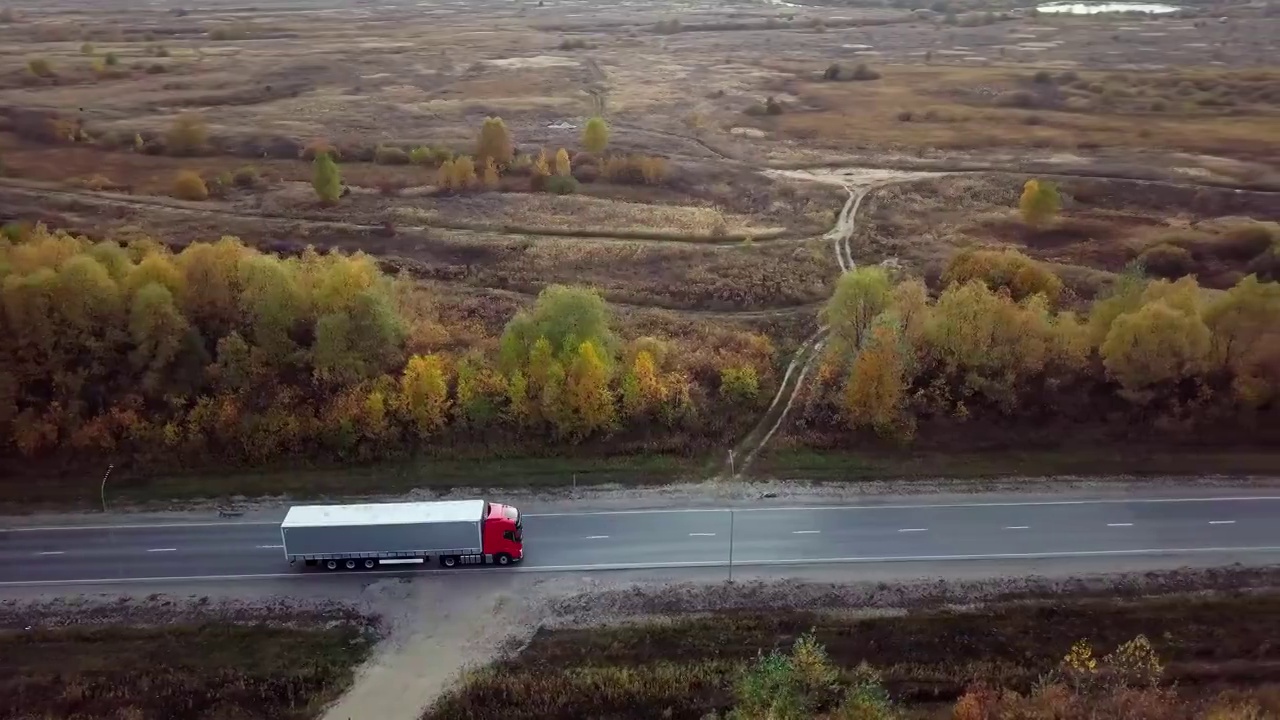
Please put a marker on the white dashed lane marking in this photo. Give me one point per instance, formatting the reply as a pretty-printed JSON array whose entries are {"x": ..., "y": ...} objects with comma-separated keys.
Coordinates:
[{"x": 163, "y": 550}]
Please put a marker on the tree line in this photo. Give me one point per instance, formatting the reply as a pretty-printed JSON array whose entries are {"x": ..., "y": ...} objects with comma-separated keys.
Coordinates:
[
  {"x": 219, "y": 351},
  {"x": 997, "y": 341}
]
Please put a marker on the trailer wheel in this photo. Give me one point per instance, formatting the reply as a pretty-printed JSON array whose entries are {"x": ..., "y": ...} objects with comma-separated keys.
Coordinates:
[
  {"x": 331, "y": 564},
  {"x": 449, "y": 561},
  {"x": 503, "y": 559},
  {"x": 350, "y": 564},
  {"x": 370, "y": 564}
]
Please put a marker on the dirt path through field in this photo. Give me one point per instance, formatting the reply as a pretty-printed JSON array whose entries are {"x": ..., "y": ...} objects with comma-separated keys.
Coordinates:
[
  {"x": 859, "y": 183},
  {"x": 439, "y": 629}
]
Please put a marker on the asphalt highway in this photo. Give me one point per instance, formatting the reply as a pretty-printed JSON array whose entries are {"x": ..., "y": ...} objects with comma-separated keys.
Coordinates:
[{"x": 1243, "y": 529}]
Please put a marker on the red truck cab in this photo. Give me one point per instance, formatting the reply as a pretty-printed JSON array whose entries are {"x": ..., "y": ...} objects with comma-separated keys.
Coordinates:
[{"x": 503, "y": 534}]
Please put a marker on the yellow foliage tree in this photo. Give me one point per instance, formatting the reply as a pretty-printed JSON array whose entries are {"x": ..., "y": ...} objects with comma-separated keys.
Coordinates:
[
  {"x": 1245, "y": 327},
  {"x": 491, "y": 177},
  {"x": 876, "y": 392},
  {"x": 587, "y": 390},
  {"x": 595, "y": 136},
  {"x": 1004, "y": 268},
  {"x": 424, "y": 394},
  {"x": 1040, "y": 202},
  {"x": 444, "y": 175},
  {"x": 495, "y": 142},
  {"x": 562, "y": 163},
  {"x": 643, "y": 390},
  {"x": 1155, "y": 344}
]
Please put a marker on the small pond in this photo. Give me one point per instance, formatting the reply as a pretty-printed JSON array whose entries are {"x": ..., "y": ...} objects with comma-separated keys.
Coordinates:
[{"x": 1089, "y": 8}]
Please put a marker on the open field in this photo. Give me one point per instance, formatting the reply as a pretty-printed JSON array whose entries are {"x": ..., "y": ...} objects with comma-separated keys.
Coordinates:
[
  {"x": 755, "y": 152},
  {"x": 685, "y": 666},
  {"x": 270, "y": 667}
]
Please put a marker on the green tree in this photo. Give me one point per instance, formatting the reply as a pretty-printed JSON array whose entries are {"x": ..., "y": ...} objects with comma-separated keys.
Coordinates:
[
  {"x": 158, "y": 331},
  {"x": 595, "y": 136},
  {"x": 326, "y": 179},
  {"x": 494, "y": 142},
  {"x": 860, "y": 296},
  {"x": 1040, "y": 202},
  {"x": 739, "y": 385},
  {"x": 566, "y": 317}
]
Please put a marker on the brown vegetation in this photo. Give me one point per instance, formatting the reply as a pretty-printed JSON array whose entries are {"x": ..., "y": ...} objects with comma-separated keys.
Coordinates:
[
  {"x": 1158, "y": 658},
  {"x": 204, "y": 670}
]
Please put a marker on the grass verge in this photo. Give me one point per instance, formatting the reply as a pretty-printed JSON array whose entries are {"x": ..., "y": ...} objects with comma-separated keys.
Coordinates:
[
  {"x": 194, "y": 671},
  {"x": 834, "y": 466},
  {"x": 81, "y": 490},
  {"x": 683, "y": 668}
]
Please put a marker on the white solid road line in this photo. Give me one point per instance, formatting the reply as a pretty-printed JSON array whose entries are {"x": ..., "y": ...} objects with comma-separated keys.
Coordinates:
[
  {"x": 597, "y": 537},
  {"x": 702, "y": 534},
  {"x": 53, "y": 552},
  {"x": 1222, "y": 522},
  {"x": 921, "y": 506},
  {"x": 163, "y": 550},
  {"x": 805, "y": 532},
  {"x": 1119, "y": 524},
  {"x": 913, "y": 529},
  {"x": 1148, "y": 552},
  {"x": 1017, "y": 527}
]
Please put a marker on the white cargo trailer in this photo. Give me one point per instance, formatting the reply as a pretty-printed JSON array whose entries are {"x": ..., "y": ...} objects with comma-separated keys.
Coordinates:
[{"x": 363, "y": 536}]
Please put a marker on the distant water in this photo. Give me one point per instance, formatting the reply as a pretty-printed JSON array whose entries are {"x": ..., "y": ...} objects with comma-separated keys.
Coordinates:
[{"x": 1089, "y": 8}]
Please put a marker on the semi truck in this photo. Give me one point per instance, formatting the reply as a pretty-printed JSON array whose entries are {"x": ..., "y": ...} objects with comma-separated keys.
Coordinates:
[{"x": 350, "y": 537}]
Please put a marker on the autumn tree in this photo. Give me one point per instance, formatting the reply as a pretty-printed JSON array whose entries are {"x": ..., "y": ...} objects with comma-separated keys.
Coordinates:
[
  {"x": 325, "y": 179},
  {"x": 875, "y": 394},
  {"x": 494, "y": 142},
  {"x": 595, "y": 135},
  {"x": 424, "y": 394},
  {"x": 562, "y": 163},
  {"x": 1005, "y": 269},
  {"x": 859, "y": 297},
  {"x": 187, "y": 135},
  {"x": 1244, "y": 323},
  {"x": 1157, "y": 343},
  {"x": 1040, "y": 202},
  {"x": 642, "y": 388},
  {"x": 490, "y": 179},
  {"x": 587, "y": 392}
]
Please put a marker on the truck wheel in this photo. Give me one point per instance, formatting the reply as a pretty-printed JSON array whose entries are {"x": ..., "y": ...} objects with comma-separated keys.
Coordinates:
[
  {"x": 449, "y": 561},
  {"x": 330, "y": 564},
  {"x": 503, "y": 559},
  {"x": 370, "y": 564},
  {"x": 350, "y": 564}
]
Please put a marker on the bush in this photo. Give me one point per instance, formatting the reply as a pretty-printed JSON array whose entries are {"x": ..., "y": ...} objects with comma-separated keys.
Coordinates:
[
  {"x": 561, "y": 185},
  {"x": 389, "y": 185},
  {"x": 772, "y": 106},
  {"x": 420, "y": 156},
  {"x": 156, "y": 69},
  {"x": 187, "y": 135},
  {"x": 41, "y": 68},
  {"x": 246, "y": 177},
  {"x": 86, "y": 49},
  {"x": 1003, "y": 269},
  {"x": 739, "y": 385},
  {"x": 319, "y": 147},
  {"x": 1167, "y": 261},
  {"x": 111, "y": 59},
  {"x": 862, "y": 72},
  {"x": 190, "y": 186},
  {"x": 385, "y": 155},
  {"x": 1042, "y": 77}
]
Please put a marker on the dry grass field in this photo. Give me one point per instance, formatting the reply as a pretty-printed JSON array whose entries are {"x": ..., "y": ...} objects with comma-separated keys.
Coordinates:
[{"x": 756, "y": 148}]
